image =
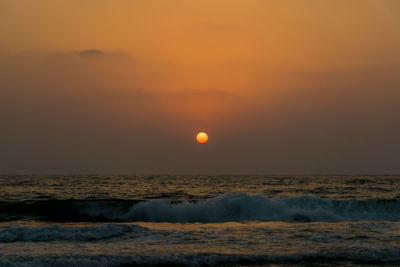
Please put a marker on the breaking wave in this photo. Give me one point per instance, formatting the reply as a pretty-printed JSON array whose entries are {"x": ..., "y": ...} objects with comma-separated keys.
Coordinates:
[{"x": 227, "y": 207}]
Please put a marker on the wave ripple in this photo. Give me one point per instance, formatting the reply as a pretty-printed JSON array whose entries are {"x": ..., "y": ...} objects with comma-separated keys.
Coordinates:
[{"x": 17, "y": 233}]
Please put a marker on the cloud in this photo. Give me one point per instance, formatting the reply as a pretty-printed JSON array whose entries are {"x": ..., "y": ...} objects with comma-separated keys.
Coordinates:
[{"x": 90, "y": 53}]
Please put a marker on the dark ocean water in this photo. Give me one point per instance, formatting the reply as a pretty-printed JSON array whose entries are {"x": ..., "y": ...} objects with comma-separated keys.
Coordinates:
[{"x": 199, "y": 220}]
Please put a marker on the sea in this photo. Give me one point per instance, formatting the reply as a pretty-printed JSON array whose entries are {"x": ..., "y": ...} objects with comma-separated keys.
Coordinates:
[{"x": 179, "y": 220}]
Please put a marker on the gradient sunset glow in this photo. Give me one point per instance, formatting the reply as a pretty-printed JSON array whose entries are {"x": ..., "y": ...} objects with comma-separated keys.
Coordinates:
[{"x": 86, "y": 83}]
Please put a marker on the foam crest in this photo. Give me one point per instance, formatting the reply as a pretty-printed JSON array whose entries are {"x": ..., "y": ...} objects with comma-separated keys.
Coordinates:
[{"x": 242, "y": 207}]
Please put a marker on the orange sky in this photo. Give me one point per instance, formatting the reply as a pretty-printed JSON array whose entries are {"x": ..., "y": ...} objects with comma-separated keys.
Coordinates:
[{"x": 262, "y": 77}]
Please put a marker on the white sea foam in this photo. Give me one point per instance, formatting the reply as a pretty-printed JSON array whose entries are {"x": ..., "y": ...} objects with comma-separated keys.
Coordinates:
[
  {"x": 195, "y": 259},
  {"x": 242, "y": 207}
]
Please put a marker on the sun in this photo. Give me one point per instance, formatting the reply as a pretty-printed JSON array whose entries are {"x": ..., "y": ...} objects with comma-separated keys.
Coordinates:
[{"x": 202, "y": 137}]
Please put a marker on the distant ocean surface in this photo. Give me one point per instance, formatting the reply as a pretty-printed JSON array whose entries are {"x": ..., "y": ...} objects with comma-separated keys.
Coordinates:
[{"x": 199, "y": 220}]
